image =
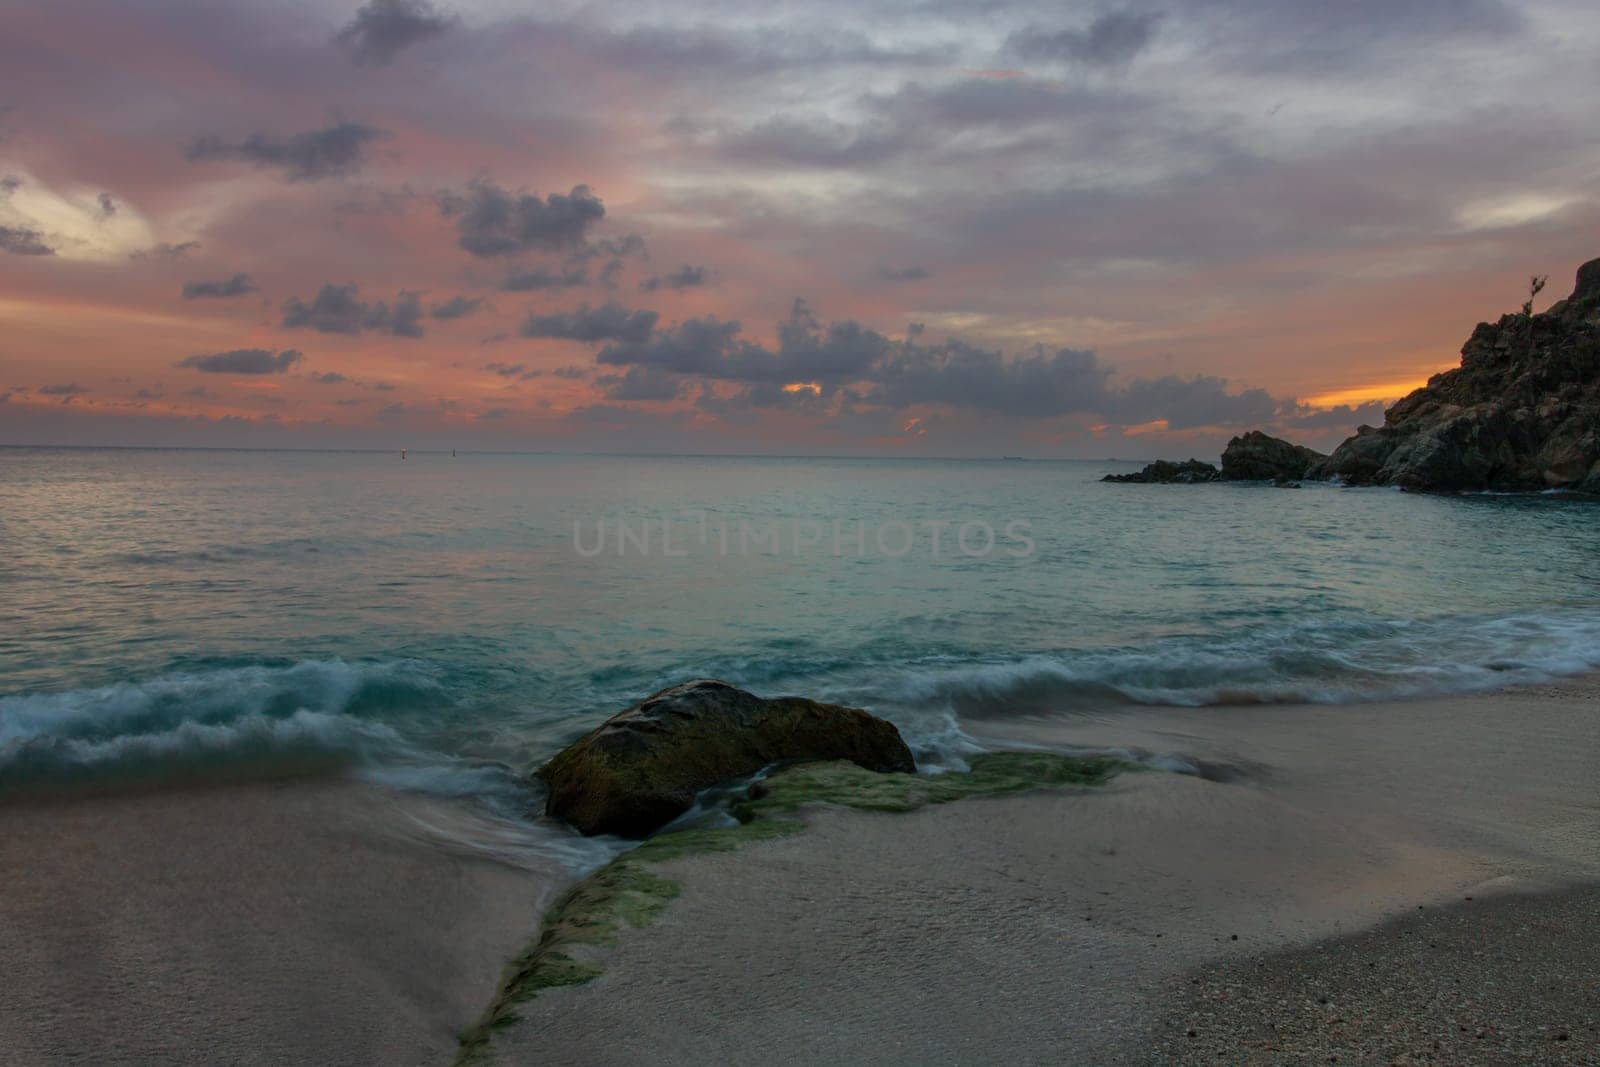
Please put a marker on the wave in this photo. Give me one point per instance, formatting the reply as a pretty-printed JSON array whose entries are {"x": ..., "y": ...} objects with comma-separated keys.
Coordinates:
[
  {"x": 307, "y": 715},
  {"x": 398, "y": 722},
  {"x": 1324, "y": 661}
]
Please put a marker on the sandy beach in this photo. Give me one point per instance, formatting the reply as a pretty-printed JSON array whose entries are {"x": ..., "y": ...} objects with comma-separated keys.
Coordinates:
[
  {"x": 270, "y": 923},
  {"x": 1080, "y": 926},
  {"x": 1163, "y": 916}
]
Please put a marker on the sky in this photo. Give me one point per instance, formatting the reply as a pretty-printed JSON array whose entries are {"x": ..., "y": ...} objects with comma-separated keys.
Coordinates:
[{"x": 919, "y": 227}]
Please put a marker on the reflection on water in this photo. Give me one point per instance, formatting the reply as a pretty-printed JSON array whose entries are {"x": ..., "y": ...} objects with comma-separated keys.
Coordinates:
[{"x": 434, "y": 619}]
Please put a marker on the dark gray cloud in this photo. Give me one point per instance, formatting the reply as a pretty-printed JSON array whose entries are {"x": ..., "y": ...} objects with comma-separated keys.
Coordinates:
[
  {"x": 71, "y": 390},
  {"x": 108, "y": 206},
  {"x": 238, "y": 285},
  {"x": 520, "y": 371},
  {"x": 1036, "y": 384},
  {"x": 23, "y": 241},
  {"x": 243, "y": 361},
  {"x": 382, "y": 29},
  {"x": 457, "y": 307},
  {"x": 806, "y": 352},
  {"x": 165, "y": 251},
  {"x": 340, "y": 309},
  {"x": 1111, "y": 40},
  {"x": 9, "y": 183},
  {"x": 1340, "y": 417},
  {"x": 685, "y": 277},
  {"x": 329, "y": 378},
  {"x": 312, "y": 155},
  {"x": 903, "y": 274},
  {"x": 608, "y": 322},
  {"x": 491, "y": 221},
  {"x": 701, "y": 346},
  {"x": 541, "y": 278},
  {"x": 641, "y": 383},
  {"x": 847, "y": 361},
  {"x": 1185, "y": 403}
]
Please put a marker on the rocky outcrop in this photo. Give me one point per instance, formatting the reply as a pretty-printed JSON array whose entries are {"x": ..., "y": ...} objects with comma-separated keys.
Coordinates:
[
  {"x": 643, "y": 767},
  {"x": 1256, "y": 457},
  {"x": 1164, "y": 470},
  {"x": 1522, "y": 412}
]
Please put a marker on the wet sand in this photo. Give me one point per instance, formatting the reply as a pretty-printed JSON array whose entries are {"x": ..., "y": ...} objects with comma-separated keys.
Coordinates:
[
  {"x": 292, "y": 922},
  {"x": 320, "y": 921},
  {"x": 1079, "y": 927}
]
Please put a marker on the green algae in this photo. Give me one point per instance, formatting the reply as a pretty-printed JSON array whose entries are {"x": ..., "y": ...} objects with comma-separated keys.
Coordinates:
[{"x": 627, "y": 892}]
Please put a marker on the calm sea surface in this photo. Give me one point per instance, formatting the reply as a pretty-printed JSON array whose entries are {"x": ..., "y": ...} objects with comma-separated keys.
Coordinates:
[{"x": 444, "y": 621}]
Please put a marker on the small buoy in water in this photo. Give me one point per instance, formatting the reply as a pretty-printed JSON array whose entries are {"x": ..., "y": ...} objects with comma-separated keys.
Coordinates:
[
  {"x": 452, "y": 453},
  {"x": 402, "y": 453}
]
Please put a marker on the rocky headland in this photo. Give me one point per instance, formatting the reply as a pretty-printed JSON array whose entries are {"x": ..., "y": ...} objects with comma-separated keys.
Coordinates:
[{"x": 1521, "y": 414}]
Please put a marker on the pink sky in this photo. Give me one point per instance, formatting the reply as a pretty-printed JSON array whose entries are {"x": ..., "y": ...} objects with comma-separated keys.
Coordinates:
[{"x": 1030, "y": 230}]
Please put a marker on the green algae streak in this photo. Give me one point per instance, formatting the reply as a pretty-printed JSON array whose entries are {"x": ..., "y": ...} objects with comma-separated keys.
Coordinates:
[{"x": 627, "y": 891}]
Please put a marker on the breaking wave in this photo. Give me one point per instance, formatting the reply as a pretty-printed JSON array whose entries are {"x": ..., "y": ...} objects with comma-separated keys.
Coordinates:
[{"x": 1327, "y": 661}]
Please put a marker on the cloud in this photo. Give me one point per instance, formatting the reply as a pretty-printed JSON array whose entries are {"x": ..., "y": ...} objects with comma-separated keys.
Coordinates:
[
  {"x": 1111, "y": 40},
  {"x": 244, "y": 361},
  {"x": 540, "y": 278},
  {"x": 238, "y": 285},
  {"x": 608, "y": 322},
  {"x": 815, "y": 142},
  {"x": 382, "y": 29},
  {"x": 903, "y": 274},
  {"x": 165, "y": 251},
  {"x": 9, "y": 183},
  {"x": 457, "y": 307},
  {"x": 493, "y": 222},
  {"x": 23, "y": 241},
  {"x": 1339, "y": 417},
  {"x": 339, "y": 309},
  {"x": 312, "y": 155},
  {"x": 815, "y": 364},
  {"x": 1304, "y": 39},
  {"x": 641, "y": 383},
  {"x": 519, "y": 371},
  {"x": 685, "y": 277},
  {"x": 329, "y": 378},
  {"x": 108, "y": 206},
  {"x": 74, "y": 389}
]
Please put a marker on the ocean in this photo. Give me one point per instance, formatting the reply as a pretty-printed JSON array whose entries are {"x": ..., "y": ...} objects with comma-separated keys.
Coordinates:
[{"x": 444, "y": 623}]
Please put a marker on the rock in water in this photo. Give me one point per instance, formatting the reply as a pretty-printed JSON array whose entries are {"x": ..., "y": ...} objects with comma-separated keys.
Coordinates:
[
  {"x": 1255, "y": 457},
  {"x": 1164, "y": 471},
  {"x": 643, "y": 767},
  {"x": 1522, "y": 412}
]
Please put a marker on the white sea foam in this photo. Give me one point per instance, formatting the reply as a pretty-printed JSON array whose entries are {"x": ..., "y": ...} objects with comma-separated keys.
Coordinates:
[
  {"x": 1318, "y": 662},
  {"x": 197, "y": 719}
]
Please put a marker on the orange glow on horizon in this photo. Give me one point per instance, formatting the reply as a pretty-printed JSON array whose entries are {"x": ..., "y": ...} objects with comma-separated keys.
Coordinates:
[{"x": 1387, "y": 392}]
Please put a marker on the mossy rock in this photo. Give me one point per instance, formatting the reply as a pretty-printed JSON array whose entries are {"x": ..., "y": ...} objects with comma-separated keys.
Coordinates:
[
  {"x": 643, "y": 767},
  {"x": 630, "y": 892}
]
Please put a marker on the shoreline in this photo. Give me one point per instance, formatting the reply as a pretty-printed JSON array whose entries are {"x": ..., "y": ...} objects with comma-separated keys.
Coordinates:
[
  {"x": 324, "y": 919},
  {"x": 1072, "y": 924}
]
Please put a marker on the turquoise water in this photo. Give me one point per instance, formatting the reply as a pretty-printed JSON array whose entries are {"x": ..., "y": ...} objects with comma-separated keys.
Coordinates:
[{"x": 435, "y": 622}]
